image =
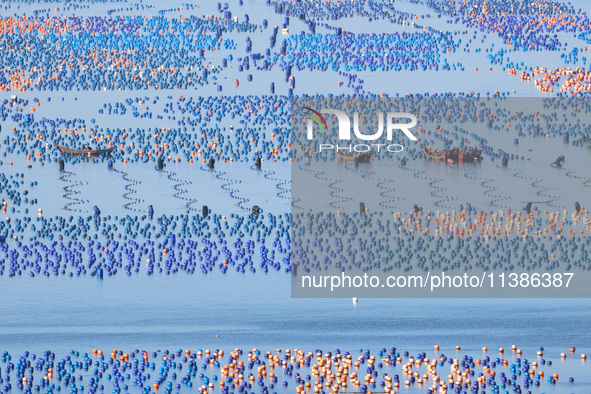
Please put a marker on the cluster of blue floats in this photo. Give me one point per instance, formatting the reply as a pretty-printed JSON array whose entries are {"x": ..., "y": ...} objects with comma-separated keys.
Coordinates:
[
  {"x": 366, "y": 242},
  {"x": 78, "y": 250}
]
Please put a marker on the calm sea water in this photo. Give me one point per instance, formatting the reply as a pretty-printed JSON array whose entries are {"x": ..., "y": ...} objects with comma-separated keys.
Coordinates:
[{"x": 245, "y": 310}]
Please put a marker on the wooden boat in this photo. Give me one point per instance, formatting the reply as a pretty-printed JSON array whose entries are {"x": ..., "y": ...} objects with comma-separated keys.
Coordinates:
[
  {"x": 471, "y": 155},
  {"x": 433, "y": 155},
  {"x": 86, "y": 152},
  {"x": 454, "y": 154},
  {"x": 359, "y": 157}
]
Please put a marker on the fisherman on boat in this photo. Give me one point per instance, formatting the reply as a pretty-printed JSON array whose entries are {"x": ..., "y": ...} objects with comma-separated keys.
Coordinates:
[
  {"x": 434, "y": 154},
  {"x": 359, "y": 157},
  {"x": 85, "y": 150}
]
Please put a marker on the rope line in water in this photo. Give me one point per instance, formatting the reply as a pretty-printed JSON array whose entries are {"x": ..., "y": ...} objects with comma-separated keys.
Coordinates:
[
  {"x": 270, "y": 175},
  {"x": 387, "y": 192},
  {"x": 220, "y": 175},
  {"x": 129, "y": 191},
  {"x": 69, "y": 192},
  {"x": 179, "y": 192}
]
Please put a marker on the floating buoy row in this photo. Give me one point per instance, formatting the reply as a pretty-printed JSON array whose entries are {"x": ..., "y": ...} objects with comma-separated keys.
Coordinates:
[
  {"x": 438, "y": 241},
  {"x": 445, "y": 239},
  {"x": 169, "y": 256},
  {"x": 213, "y": 371},
  {"x": 191, "y": 139}
]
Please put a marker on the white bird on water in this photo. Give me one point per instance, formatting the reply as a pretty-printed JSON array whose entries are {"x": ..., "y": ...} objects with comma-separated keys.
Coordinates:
[{"x": 355, "y": 299}]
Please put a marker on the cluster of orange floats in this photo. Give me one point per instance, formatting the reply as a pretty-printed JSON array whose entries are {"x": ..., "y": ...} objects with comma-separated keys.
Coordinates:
[
  {"x": 550, "y": 16},
  {"x": 520, "y": 223},
  {"x": 574, "y": 81}
]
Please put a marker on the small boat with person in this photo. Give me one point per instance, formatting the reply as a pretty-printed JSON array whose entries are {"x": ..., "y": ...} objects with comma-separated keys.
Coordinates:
[
  {"x": 433, "y": 154},
  {"x": 359, "y": 157},
  {"x": 86, "y": 152}
]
